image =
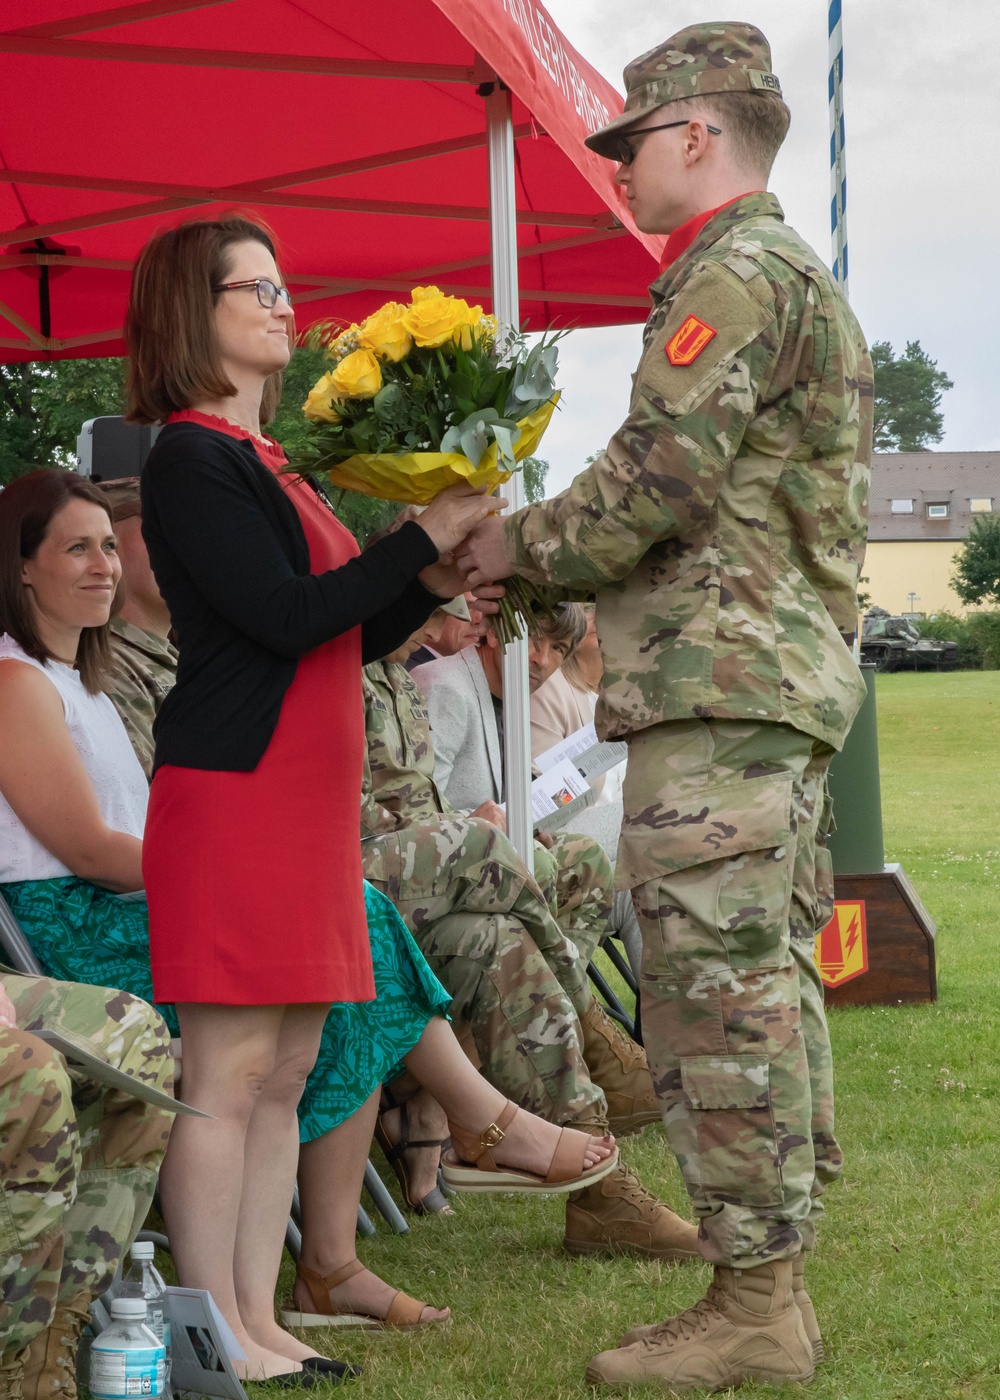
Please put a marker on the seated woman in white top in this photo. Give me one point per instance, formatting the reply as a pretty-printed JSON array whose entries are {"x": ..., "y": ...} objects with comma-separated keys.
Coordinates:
[{"x": 72, "y": 809}]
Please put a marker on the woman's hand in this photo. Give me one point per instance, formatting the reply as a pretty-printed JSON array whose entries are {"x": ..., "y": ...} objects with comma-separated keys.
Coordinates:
[
  {"x": 444, "y": 578},
  {"x": 454, "y": 513}
]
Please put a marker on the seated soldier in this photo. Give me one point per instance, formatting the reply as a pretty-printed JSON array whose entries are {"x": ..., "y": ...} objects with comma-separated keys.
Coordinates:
[
  {"x": 144, "y": 658},
  {"x": 515, "y": 978},
  {"x": 78, "y": 1167}
]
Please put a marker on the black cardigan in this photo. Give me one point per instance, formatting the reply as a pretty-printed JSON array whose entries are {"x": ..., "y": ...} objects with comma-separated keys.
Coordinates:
[{"x": 231, "y": 560}]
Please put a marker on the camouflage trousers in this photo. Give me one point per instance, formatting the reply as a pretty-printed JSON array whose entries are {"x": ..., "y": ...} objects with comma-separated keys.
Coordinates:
[
  {"x": 487, "y": 932},
  {"x": 78, "y": 1161},
  {"x": 724, "y": 846},
  {"x": 577, "y": 880}
]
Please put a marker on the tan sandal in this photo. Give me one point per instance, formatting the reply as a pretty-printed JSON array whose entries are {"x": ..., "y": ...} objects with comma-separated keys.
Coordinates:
[
  {"x": 470, "y": 1165},
  {"x": 403, "y": 1315}
]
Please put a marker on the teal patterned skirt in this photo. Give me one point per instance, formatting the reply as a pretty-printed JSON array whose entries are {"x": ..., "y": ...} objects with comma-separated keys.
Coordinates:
[{"x": 81, "y": 933}]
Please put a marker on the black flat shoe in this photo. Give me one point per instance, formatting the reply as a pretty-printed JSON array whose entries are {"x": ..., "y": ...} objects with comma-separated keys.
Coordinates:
[{"x": 327, "y": 1369}]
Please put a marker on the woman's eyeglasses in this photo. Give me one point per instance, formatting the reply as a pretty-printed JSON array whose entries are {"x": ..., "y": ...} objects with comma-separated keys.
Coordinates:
[{"x": 267, "y": 292}]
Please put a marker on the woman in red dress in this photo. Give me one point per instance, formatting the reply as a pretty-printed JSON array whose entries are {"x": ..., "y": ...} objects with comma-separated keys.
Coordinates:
[{"x": 251, "y": 858}]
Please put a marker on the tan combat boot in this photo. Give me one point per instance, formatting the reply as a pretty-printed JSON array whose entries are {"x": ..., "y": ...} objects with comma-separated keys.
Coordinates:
[
  {"x": 747, "y": 1327},
  {"x": 620, "y": 1068},
  {"x": 802, "y": 1301},
  {"x": 804, "y": 1304},
  {"x": 50, "y": 1361},
  {"x": 619, "y": 1216},
  {"x": 12, "y": 1374}
]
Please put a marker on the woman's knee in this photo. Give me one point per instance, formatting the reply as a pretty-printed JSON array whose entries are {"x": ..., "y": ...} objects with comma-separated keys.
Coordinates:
[{"x": 289, "y": 1074}]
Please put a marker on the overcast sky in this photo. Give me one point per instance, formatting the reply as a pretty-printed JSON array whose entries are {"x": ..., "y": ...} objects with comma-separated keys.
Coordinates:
[{"x": 922, "y": 110}]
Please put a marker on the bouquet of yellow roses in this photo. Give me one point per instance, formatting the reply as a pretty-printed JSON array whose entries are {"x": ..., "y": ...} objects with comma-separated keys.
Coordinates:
[{"x": 426, "y": 396}]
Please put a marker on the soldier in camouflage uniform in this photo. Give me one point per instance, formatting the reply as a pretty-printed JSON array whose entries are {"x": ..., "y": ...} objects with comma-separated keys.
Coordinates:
[
  {"x": 78, "y": 1165},
  {"x": 515, "y": 978},
  {"x": 722, "y": 534},
  {"x": 145, "y": 660}
]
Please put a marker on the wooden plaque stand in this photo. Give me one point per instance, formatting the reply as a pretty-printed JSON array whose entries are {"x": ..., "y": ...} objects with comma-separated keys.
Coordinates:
[{"x": 878, "y": 949}]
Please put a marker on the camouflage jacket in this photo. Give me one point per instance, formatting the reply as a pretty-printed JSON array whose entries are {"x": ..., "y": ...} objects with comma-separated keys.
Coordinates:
[
  {"x": 723, "y": 530},
  {"x": 397, "y": 783},
  {"x": 145, "y": 669}
]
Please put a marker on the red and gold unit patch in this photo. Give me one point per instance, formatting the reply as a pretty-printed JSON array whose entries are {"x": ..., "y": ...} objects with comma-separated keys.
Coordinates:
[
  {"x": 687, "y": 343},
  {"x": 842, "y": 947}
]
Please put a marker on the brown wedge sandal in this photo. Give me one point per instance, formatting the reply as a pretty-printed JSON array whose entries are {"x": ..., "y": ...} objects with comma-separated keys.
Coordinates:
[
  {"x": 470, "y": 1165},
  {"x": 404, "y": 1314}
]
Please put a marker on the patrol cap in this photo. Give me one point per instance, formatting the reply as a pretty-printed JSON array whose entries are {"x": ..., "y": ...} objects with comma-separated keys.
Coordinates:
[
  {"x": 704, "y": 58},
  {"x": 456, "y": 607},
  {"x": 122, "y": 496}
]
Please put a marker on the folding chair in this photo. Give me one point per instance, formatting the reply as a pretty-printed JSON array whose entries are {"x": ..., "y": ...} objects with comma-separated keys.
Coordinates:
[{"x": 624, "y": 927}]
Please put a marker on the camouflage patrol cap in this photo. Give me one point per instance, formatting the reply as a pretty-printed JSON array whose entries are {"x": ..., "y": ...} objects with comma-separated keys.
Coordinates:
[
  {"x": 704, "y": 58},
  {"x": 122, "y": 496}
]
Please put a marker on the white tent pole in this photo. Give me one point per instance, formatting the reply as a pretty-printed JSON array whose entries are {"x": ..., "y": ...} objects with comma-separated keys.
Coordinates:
[{"x": 503, "y": 250}]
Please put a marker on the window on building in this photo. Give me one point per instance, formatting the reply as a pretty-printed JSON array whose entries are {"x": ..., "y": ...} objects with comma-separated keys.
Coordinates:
[
  {"x": 938, "y": 512},
  {"x": 903, "y": 506},
  {"x": 981, "y": 504}
]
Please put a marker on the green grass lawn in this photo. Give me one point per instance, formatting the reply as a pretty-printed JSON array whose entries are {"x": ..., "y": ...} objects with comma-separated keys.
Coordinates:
[{"x": 904, "y": 1279}]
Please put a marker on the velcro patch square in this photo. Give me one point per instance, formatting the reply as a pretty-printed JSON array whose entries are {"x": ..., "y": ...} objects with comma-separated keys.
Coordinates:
[{"x": 687, "y": 343}]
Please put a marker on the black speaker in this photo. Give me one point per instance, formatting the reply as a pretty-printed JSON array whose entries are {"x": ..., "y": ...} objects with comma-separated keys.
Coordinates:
[{"x": 109, "y": 448}]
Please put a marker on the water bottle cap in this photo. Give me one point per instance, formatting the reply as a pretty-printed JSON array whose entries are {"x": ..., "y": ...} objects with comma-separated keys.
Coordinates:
[
  {"x": 129, "y": 1309},
  {"x": 143, "y": 1249}
]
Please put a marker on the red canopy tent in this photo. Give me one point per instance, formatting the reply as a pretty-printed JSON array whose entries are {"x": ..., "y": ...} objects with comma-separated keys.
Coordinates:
[
  {"x": 406, "y": 142},
  {"x": 359, "y": 134}
]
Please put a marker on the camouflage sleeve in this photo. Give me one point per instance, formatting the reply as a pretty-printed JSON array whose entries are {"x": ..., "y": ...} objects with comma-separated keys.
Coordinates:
[
  {"x": 664, "y": 467},
  {"x": 375, "y": 819}
]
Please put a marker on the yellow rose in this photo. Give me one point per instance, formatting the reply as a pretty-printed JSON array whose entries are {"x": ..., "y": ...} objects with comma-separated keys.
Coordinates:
[
  {"x": 436, "y": 320},
  {"x": 425, "y": 293},
  {"x": 384, "y": 333},
  {"x": 357, "y": 376},
  {"x": 469, "y": 331},
  {"x": 319, "y": 405}
]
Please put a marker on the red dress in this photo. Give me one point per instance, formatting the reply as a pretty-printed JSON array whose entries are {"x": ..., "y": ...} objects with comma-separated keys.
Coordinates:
[{"x": 254, "y": 879}]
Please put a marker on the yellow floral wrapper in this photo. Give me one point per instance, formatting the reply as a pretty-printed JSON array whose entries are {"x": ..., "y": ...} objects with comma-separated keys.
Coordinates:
[{"x": 415, "y": 478}]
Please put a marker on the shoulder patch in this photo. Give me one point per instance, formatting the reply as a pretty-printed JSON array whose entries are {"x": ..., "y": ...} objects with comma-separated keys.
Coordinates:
[{"x": 689, "y": 340}]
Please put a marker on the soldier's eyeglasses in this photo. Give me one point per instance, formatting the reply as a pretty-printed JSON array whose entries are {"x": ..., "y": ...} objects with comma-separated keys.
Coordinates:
[
  {"x": 623, "y": 144},
  {"x": 267, "y": 292}
]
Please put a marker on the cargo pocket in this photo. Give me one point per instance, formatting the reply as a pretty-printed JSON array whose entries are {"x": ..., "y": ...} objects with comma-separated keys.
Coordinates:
[
  {"x": 737, "y": 1145},
  {"x": 667, "y": 830}
]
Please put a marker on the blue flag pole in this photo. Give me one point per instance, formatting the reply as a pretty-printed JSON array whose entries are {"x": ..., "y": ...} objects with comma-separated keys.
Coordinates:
[{"x": 838, "y": 167}]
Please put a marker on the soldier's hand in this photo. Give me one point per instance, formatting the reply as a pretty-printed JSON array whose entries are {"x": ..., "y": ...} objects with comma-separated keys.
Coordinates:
[
  {"x": 482, "y": 555},
  {"x": 8, "y": 1013},
  {"x": 491, "y": 812},
  {"x": 453, "y": 513},
  {"x": 486, "y": 596},
  {"x": 544, "y": 838}
]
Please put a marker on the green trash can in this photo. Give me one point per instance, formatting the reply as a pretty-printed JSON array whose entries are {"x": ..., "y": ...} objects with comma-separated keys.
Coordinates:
[{"x": 856, "y": 846}]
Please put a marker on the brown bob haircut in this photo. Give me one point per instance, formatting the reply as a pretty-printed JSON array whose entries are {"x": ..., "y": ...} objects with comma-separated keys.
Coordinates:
[
  {"x": 569, "y": 625},
  {"x": 27, "y": 508},
  {"x": 169, "y": 326}
]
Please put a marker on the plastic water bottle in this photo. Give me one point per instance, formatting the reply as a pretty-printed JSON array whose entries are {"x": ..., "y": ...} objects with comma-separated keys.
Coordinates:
[
  {"x": 127, "y": 1360},
  {"x": 143, "y": 1280}
]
